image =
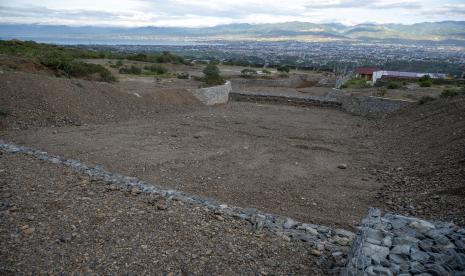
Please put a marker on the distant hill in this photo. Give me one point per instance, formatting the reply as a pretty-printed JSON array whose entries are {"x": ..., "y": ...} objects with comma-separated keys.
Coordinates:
[{"x": 300, "y": 31}]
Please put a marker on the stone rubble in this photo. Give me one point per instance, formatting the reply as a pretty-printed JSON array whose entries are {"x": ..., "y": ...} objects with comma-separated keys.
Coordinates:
[{"x": 399, "y": 245}]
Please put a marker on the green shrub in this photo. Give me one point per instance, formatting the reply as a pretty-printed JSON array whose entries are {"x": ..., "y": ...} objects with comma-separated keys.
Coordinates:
[
  {"x": 157, "y": 69},
  {"x": 184, "y": 76},
  {"x": 449, "y": 92},
  {"x": 248, "y": 73},
  {"x": 394, "y": 85},
  {"x": 425, "y": 99},
  {"x": 265, "y": 71},
  {"x": 381, "y": 92},
  {"x": 212, "y": 75},
  {"x": 425, "y": 83},
  {"x": 284, "y": 69},
  {"x": 130, "y": 70},
  {"x": 4, "y": 111},
  {"x": 119, "y": 63},
  {"x": 356, "y": 83}
]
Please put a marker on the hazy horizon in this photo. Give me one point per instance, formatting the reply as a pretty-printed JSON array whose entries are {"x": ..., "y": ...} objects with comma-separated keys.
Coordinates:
[{"x": 196, "y": 13}]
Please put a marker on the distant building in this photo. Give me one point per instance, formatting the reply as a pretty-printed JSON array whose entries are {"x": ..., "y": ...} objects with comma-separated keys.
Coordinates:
[
  {"x": 404, "y": 75},
  {"x": 366, "y": 72}
]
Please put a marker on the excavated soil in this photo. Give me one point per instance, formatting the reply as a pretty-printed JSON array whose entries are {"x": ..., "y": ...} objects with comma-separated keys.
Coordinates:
[
  {"x": 55, "y": 221},
  {"x": 276, "y": 158},
  {"x": 318, "y": 165},
  {"x": 425, "y": 149}
]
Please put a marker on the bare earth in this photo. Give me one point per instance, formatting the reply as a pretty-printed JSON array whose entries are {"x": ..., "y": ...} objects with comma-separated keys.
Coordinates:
[
  {"x": 276, "y": 158},
  {"x": 54, "y": 221}
]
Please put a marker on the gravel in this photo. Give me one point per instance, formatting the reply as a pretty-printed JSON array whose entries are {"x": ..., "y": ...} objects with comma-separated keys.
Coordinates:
[{"x": 63, "y": 222}]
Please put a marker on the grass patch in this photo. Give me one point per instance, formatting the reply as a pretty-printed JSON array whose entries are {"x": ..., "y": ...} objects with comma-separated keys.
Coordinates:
[
  {"x": 156, "y": 69},
  {"x": 452, "y": 92},
  {"x": 425, "y": 99},
  {"x": 356, "y": 83},
  {"x": 133, "y": 70}
]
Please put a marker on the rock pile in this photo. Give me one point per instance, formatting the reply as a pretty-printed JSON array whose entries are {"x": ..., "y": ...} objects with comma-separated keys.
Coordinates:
[{"x": 399, "y": 245}]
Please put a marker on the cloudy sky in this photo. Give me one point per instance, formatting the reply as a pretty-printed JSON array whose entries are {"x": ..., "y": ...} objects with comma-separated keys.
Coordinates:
[{"x": 195, "y": 13}]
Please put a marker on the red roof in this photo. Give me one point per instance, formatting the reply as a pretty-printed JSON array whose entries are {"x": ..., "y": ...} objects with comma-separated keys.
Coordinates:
[{"x": 366, "y": 70}]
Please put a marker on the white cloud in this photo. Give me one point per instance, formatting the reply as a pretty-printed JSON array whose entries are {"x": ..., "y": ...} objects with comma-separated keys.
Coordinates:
[{"x": 213, "y": 12}]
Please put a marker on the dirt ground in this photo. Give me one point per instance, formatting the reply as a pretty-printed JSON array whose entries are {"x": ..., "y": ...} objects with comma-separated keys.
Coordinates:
[
  {"x": 55, "y": 221},
  {"x": 276, "y": 158}
]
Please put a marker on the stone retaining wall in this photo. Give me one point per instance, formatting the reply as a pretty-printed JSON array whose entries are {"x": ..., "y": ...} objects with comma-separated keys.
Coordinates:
[
  {"x": 399, "y": 245},
  {"x": 303, "y": 101},
  {"x": 366, "y": 105},
  {"x": 213, "y": 95}
]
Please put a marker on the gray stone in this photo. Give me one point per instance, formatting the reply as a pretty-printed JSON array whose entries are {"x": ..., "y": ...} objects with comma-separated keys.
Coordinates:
[
  {"x": 417, "y": 255},
  {"x": 422, "y": 226},
  {"x": 379, "y": 270},
  {"x": 398, "y": 223},
  {"x": 426, "y": 244},
  {"x": 309, "y": 229},
  {"x": 395, "y": 268},
  {"x": 387, "y": 241},
  {"x": 441, "y": 240},
  {"x": 375, "y": 251},
  {"x": 344, "y": 233},
  {"x": 405, "y": 240},
  {"x": 398, "y": 259},
  {"x": 460, "y": 261},
  {"x": 460, "y": 244},
  {"x": 437, "y": 270},
  {"x": 401, "y": 250},
  {"x": 290, "y": 223},
  {"x": 374, "y": 234},
  {"x": 416, "y": 268}
]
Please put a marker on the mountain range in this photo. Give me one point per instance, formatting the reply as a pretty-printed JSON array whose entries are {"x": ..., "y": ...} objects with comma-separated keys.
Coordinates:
[{"x": 446, "y": 31}]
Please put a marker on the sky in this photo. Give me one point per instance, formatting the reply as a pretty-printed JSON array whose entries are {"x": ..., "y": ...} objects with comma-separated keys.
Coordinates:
[{"x": 201, "y": 13}]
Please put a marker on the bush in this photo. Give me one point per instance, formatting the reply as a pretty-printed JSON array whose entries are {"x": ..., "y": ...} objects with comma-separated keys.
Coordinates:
[
  {"x": 381, "y": 92},
  {"x": 284, "y": 69},
  {"x": 356, "y": 83},
  {"x": 157, "y": 69},
  {"x": 4, "y": 111},
  {"x": 184, "y": 76},
  {"x": 212, "y": 75},
  {"x": 394, "y": 85},
  {"x": 450, "y": 92},
  {"x": 425, "y": 99},
  {"x": 130, "y": 70},
  {"x": 425, "y": 83},
  {"x": 248, "y": 73},
  {"x": 265, "y": 71},
  {"x": 119, "y": 63}
]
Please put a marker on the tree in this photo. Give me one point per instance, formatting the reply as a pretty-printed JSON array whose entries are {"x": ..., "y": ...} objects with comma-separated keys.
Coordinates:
[{"x": 212, "y": 75}]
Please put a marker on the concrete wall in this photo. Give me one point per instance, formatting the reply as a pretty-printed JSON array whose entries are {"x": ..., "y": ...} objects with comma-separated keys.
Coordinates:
[
  {"x": 213, "y": 95},
  {"x": 366, "y": 105}
]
